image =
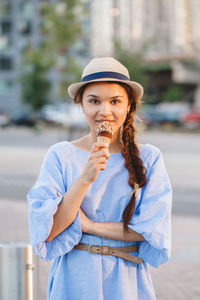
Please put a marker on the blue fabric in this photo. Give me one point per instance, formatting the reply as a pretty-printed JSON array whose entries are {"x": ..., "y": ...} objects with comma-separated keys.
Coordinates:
[
  {"x": 99, "y": 75},
  {"x": 79, "y": 275}
]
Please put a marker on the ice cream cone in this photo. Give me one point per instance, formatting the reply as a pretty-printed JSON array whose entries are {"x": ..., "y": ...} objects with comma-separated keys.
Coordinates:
[
  {"x": 104, "y": 139},
  {"x": 105, "y": 132}
]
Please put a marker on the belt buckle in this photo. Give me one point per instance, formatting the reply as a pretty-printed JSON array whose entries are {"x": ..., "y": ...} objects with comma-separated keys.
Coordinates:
[
  {"x": 90, "y": 249},
  {"x": 105, "y": 250}
]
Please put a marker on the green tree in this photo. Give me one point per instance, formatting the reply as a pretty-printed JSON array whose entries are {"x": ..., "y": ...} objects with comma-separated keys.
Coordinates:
[
  {"x": 60, "y": 29},
  {"x": 35, "y": 84},
  {"x": 173, "y": 93},
  {"x": 134, "y": 63},
  {"x": 62, "y": 25}
]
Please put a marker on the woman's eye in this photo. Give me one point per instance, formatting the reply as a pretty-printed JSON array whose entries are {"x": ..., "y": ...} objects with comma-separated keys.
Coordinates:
[
  {"x": 94, "y": 101},
  {"x": 114, "y": 101}
]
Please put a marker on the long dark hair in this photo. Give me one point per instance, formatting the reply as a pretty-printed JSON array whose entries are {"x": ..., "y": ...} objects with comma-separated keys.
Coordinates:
[{"x": 130, "y": 150}]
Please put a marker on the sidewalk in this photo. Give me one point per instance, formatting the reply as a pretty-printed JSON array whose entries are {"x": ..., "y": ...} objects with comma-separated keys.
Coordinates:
[{"x": 178, "y": 279}]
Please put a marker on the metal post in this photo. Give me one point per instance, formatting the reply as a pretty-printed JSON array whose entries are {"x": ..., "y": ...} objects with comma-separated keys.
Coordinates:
[
  {"x": 29, "y": 272},
  {"x": 18, "y": 272}
]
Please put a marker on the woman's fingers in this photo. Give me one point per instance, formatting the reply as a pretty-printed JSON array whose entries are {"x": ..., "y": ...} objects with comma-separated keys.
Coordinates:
[
  {"x": 94, "y": 163},
  {"x": 101, "y": 167},
  {"x": 100, "y": 160},
  {"x": 97, "y": 161},
  {"x": 99, "y": 152},
  {"x": 98, "y": 145},
  {"x": 97, "y": 164}
]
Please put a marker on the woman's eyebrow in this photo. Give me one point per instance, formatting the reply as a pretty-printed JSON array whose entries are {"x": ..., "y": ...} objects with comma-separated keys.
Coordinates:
[
  {"x": 93, "y": 96},
  {"x": 100, "y": 97},
  {"x": 117, "y": 96}
]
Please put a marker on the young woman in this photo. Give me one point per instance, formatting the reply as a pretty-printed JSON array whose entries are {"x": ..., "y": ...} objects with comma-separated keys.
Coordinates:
[{"x": 102, "y": 212}]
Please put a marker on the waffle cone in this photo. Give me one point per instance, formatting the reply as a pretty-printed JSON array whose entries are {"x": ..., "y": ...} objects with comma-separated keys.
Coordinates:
[{"x": 104, "y": 139}]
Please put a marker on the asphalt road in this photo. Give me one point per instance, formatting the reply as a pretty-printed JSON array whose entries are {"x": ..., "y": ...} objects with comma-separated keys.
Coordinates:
[{"x": 22, "y": 151}]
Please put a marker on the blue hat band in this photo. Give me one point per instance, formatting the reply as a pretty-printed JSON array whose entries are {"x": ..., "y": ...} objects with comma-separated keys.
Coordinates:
[{"x": 100, "y": 75}]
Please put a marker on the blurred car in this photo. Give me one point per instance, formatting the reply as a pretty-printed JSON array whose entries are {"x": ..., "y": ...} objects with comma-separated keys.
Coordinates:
[
  {"x": 21, "y": 118},
  {"x": 191, "y": 118},
  {"x": 4, "y": 119},
  {"x": 163, "y": 113},
  {"x": 65, "y": 114},
  {"x": 51, "y": 113}
]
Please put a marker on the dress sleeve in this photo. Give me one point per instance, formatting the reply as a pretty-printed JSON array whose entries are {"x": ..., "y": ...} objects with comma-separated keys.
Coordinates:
[
  {"x": 44, "y": 198},
  {"x": 152, "y": 217}
]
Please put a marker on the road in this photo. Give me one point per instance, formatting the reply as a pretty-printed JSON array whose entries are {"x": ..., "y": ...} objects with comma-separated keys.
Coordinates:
[{"x": 22, "y": 151}]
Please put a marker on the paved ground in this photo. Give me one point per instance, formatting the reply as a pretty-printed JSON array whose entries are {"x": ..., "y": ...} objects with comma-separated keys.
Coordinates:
[{"x": 21, "y": 154}]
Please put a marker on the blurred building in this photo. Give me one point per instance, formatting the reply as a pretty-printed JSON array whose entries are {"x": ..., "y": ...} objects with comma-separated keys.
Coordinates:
[
  {"x": 20, "y": 27},
  {"x": 169, "y": 29}
]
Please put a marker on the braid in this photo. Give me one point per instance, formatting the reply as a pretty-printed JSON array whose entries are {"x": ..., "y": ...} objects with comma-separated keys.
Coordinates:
[{"x": 133, "y": 162}]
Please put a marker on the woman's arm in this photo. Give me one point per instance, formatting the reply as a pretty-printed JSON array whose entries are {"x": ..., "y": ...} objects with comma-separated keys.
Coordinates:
[
  {"x": 115, "y": 231},
  {"x": 109, "y": 230},
  {"x": 68, "y": 208},
  {"x": 70, "y": 204}
]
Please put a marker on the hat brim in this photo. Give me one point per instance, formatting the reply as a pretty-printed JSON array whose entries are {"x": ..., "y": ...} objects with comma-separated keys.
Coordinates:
[{"x": 74, "y": 87}]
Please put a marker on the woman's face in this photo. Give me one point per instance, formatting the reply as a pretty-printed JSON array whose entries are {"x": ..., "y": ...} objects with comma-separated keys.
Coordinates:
[{"x": 104, "y": 101}]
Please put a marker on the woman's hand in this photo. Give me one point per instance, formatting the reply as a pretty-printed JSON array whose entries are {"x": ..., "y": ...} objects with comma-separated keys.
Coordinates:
[
  {"x": 108, "y": 230},
  {"x": 86, "y": 224},
  {"x": 96, "y": 162}
]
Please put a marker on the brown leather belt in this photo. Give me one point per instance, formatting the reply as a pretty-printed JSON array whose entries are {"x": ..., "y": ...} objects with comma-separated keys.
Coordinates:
[{"x": 121, "y": 252}]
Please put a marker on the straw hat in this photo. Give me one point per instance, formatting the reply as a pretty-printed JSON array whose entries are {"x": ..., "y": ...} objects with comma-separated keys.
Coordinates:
[{"x": 105, "y": 69}]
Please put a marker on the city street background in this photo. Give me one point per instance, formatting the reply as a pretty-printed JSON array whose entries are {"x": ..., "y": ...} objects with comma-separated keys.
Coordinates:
[
  {"x": 43, "y": 46},
  {"x": 21, "y": 153}
]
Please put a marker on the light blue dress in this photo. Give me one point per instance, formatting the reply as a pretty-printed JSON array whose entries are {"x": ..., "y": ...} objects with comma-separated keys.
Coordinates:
[{"x": 77, "y": 274}]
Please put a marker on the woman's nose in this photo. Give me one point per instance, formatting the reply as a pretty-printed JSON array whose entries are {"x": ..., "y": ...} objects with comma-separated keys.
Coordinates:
[{"x": 105, "y": 109}]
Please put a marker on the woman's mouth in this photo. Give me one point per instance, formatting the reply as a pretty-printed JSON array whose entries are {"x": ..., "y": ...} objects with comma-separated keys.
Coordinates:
[{"x": 104, "y": 120}]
